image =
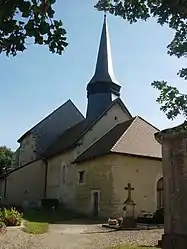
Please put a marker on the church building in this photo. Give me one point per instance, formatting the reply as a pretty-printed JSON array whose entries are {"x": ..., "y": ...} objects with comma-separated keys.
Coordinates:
[{"x": 90, "y": 164}]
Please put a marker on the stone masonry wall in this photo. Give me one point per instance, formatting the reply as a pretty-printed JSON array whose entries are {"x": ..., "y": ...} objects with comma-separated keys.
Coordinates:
[{"x": 174, "y": 147}]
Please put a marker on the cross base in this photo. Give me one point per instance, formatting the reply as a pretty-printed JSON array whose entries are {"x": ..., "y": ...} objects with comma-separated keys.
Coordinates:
[{"x": 128, "y": 222}]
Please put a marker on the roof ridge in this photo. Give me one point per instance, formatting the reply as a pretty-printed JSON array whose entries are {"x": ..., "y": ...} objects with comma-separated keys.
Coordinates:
[{"x": 147, "y": 122}]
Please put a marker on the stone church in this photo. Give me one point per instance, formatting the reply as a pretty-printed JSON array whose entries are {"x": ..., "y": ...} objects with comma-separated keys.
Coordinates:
[{"x": 88, "y": 162}]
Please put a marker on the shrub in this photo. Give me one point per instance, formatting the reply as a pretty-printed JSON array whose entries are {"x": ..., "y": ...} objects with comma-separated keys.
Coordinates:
[
  {"x": 2, "y": 227},
  {"x": 11, "y": 217}
]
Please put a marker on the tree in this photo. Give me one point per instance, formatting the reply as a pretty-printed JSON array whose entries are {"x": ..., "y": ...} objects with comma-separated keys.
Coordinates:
[
  {"x": 174, "y": 14},
  {"x": 26, "y": 21},
  {"x": 5, "y": 159}
]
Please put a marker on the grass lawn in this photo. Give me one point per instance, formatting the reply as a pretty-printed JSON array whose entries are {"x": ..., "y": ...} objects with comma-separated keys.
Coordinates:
[
  {"x": 60, "y": 216},
  {"x": 37, "y": 221},
  {"x": 47, "y": 216},
  {"x": 35, "y": 227},
  {"x": 130, "y": 247}
]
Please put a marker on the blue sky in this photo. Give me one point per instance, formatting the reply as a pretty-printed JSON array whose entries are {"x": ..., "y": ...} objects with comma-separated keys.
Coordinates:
[{"x": 36, "y": 82}]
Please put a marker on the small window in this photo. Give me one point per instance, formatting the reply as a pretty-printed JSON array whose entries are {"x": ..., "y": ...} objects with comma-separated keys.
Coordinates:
[{"x": 81, "y": 177}]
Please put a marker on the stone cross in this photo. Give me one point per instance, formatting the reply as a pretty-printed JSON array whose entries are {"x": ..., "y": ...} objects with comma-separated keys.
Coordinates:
[{"x": 129, "y": 188}]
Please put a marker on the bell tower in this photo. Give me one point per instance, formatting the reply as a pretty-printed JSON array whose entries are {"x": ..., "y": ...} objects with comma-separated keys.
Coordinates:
[{"x": 103, "y": 88}]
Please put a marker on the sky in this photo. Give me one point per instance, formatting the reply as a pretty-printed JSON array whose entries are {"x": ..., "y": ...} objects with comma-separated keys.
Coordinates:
[{"x": 36, "y": 82}]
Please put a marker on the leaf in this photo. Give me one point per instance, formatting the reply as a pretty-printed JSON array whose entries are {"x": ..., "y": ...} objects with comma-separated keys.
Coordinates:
[
  {"x": 30, "y": 25},
  {"x": 53, "y": 1},
  {"x": 25, "y": 8},
  {"x": 39, "y": 40},
  {"x": 44, "y": 28},
  {"x": 51, "y": 13},
  {"x": 30, "y": 18},
  {"x": 26, "y": 13}
]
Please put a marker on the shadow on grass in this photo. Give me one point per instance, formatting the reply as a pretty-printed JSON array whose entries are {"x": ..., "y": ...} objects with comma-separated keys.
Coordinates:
[{"x": 61, "y": 216}]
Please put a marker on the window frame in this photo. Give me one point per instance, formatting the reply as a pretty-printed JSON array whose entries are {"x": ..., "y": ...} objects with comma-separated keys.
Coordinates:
[{"x": 81, "y": 173}]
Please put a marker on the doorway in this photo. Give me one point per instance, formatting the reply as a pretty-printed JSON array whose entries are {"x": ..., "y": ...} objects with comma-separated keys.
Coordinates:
[{"x": 95, "y": 203}]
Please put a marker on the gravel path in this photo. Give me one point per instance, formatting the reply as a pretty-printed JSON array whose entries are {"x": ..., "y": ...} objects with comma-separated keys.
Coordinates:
[
  {"x": 107, "y": 237},
  {"x": 77, "y": 237}
]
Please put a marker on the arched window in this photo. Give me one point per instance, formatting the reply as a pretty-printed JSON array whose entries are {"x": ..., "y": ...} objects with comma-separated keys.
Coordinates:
[
  {"x": 64, "y": 175},
  {"x": 160, "y": 194}
]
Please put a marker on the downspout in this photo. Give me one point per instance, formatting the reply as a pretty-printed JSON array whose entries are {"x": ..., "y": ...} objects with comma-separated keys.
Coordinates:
[{"x": 45, "y": 180}]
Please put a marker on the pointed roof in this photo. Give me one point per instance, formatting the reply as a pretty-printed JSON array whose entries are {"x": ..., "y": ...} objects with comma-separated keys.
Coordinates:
[
  {"x": 104, "y": 69},
  {"x": 71, "y": 136},
  {"x": 134, "y": 137}
]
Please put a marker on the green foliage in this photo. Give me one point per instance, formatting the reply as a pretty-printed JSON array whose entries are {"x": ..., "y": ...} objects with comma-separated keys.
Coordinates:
[
  {"x": 10, "y": 217},
  {"x": 2, "y": 227},
  {"x": 173, "y": 103},
  {"x": 23, "y": 21},
  {"x": 36, "y": 227},
  {"x": 2, "y": 224},
  {"x": 174, "y": 14},
  {"x": 5, "y": 159}
]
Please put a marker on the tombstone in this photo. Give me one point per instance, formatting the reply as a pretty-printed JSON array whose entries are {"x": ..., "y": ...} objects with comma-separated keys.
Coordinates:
[
  {"x": 129, "y": 206},
  {"x": 174, "y": 159}
]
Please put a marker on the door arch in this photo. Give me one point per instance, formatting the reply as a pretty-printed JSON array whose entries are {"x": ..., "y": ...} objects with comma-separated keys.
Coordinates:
[
  {"x": 160, "y": 193},
  {"x": 95, "y": 201}
]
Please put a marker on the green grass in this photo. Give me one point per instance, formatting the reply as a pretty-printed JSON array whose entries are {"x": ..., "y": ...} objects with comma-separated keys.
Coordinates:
[
  {"x": 37, "y": 221},
  {"x": 60, "y": 216},
  {"x": 130, "y": 247},
  {"x": 44, "y": 216},
  {"x": 35, "y": 227}
]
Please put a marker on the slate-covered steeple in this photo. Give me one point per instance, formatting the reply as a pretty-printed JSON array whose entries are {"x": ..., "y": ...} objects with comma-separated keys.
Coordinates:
[{"x": 103, "y": 87}]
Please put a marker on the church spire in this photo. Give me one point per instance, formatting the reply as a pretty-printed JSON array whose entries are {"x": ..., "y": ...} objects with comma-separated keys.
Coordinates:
[
  {"x": 103, "y": 87},
  {"x": 104, "y": 68}
]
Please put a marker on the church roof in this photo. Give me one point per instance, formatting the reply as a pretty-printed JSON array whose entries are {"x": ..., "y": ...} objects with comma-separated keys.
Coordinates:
[
  {"x": 66, "y": 113},
  {"x": 133, "y": 137},
  {"x": 67, "y": 140},
  {"x": 104, "y": 68},
  {"x": 71, "y": 136}
]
